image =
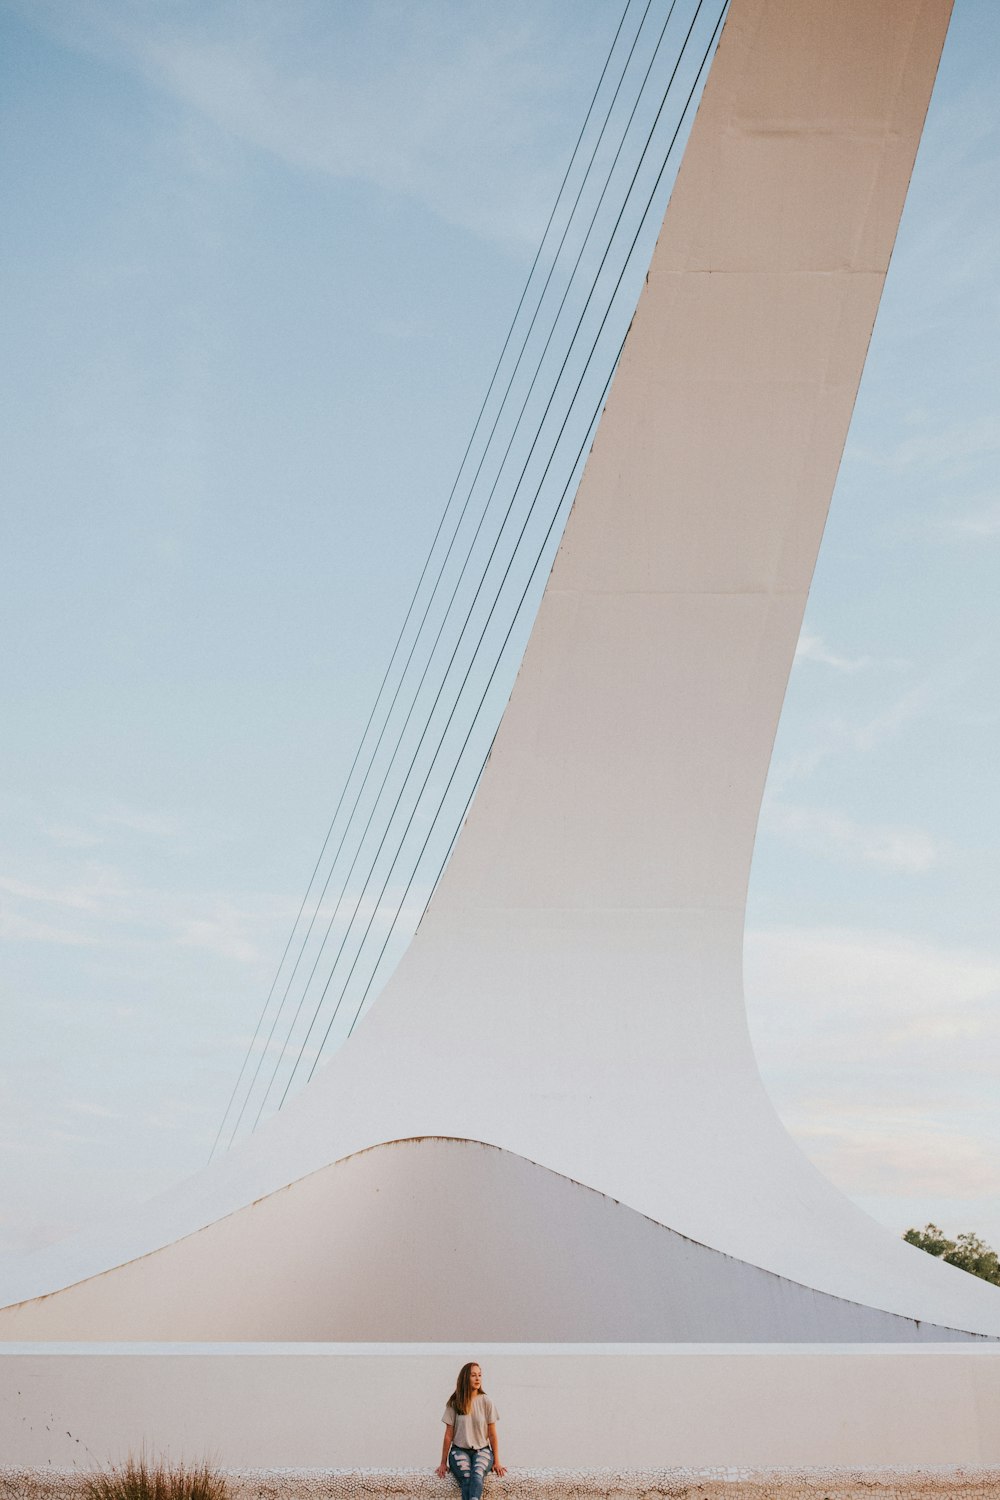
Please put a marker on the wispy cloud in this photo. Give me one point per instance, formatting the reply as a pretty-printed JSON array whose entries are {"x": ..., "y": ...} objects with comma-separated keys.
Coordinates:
[
  {"x": 413, "y": 99},
  {"x": 228, "y": 933},
  {"x": 880, "y": 1053},
  {"x": 829, "y": 833},
  {"x": 900, "y": 1154},
  {"x": 71, "y": 897},
  {"x": 903, "y": 710},
  {"x": 102, "y": 906},
  {"x": 980, "y": 521},
  {"x": 836, "y": 973},
  {"x": 814, "y": 648},
  {"x": 943, "y": 446},
  {"x": 852, "y": 729},
  {"x": 72, "y": 836},
  {"x": 150, "y": 825},
  {"x": 99, "y": 827},
  {"x": 91, "y": 1108},
  {"x": 17, "y": 928}
]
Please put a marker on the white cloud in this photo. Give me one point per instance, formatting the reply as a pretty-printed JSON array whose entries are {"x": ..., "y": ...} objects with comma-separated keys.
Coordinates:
[
  {"x": 984, "y": 521},
  {"x": 71, "y": 836},
  {"x": 90, "y": 1107},
  {"x": 140, "y": 821},
  {"x": 946, "y": 444},
  {"x": 106, "y": 826},
  {"x": 833, "y": 971},
  {"x": 445, "y": 104},
  {"x": 227, "y": 934},
  {"x": 902, "y": 1155},
  {"x": 958, "y": 691},
  {"x": 99, "y": 905},
  {"x": 880, "y": 1052},
  {"x": 73, "y": 898},
  {"x": 825, "y": 832},
  {"x": 913, "y": 704},
  {"x": 814, "y": 648},
  {"x": 18, "y": 928}
]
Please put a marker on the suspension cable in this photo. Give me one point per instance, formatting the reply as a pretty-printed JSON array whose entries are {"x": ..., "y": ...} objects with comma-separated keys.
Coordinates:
[
  {"x": 410, "y": 610},
  {"x": 542, "y": 550},
  {"x": 344, "y": 885},
  {"x": 506, "y": 574}
]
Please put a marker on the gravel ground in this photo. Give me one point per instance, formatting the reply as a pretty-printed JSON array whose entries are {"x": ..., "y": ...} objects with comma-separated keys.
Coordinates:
[{"x": 534, "y": 1484}]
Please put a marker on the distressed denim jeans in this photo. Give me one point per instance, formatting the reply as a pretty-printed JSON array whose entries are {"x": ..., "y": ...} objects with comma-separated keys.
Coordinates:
[{"x": 470, "y": 1467}]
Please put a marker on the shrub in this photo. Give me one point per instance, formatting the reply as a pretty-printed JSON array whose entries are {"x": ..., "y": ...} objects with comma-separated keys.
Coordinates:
[
  {"x": 968, "y": 1252},
  {"x": 143, "y": 1478}
]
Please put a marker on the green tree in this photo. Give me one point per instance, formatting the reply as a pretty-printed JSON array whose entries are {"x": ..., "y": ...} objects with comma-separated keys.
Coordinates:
[
  {"x": 931, "y": 1239},
  {"x": 968, "y": 1252}
]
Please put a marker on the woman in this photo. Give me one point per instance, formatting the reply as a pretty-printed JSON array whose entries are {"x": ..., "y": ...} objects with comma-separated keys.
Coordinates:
[{"x": 471, "y": 1447}]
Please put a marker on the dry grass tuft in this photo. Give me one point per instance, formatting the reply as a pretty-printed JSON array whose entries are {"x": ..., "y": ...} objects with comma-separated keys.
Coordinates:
[{"x": 144, "y": 1478}]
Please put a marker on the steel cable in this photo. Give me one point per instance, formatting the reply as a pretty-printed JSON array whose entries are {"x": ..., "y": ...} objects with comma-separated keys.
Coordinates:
[
  {"x": 446, "y": 616},
  {"x": 524, "y": 595},
  {"x": 416, "y": 753},
  {"x": 506, "y": 574},
  {"x": 414, "y": 598}
]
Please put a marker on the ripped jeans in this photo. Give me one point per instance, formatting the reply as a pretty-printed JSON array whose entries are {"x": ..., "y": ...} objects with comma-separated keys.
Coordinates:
[{"x": 470, "y": 1467}]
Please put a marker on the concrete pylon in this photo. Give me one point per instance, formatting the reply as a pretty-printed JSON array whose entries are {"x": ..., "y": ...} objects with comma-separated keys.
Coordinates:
[{"x": 559, "y": 1074}]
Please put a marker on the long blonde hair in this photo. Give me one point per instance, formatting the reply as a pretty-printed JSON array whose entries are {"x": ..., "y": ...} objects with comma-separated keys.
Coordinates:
[{"x": 460, "y": 1399}]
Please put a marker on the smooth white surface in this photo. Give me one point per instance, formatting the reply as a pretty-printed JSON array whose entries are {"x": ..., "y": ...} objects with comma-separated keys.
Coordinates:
[
  {"x": 640, "y": 1406},
  {"x": 490, "y": 1240},
  {"x": 574, "y": 992}
]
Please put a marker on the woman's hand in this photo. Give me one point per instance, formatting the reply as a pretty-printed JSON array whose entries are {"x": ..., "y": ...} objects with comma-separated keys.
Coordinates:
[
  {"x": 499, "y": 1470},
  {"x": 442, "y": 1470}
]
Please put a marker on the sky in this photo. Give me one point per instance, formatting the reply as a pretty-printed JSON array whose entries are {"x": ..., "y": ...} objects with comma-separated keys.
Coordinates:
[{"x": 258, "y": 262}]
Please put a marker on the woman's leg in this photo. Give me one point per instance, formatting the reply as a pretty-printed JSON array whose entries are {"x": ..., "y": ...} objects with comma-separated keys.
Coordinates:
[
  {"x": 482, "y": 1463},
  {"x": 460, "y": 1464}
]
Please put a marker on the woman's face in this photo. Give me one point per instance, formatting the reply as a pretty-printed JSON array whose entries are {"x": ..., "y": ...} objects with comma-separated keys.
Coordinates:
[{"x": 476, "y": 1379}]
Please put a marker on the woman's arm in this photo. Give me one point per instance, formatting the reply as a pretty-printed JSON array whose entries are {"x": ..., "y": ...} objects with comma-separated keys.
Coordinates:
[
  {"x": 498, "y": 1467},
  {"x": 442, "y": 1467}
]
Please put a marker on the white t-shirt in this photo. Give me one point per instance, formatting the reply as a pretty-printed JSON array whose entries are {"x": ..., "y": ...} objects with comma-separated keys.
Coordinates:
[{"x": 470, "y": 1430}]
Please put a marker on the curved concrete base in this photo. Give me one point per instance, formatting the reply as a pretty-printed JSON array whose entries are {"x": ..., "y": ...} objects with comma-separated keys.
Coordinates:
[{"x": 463, "y": 1242}]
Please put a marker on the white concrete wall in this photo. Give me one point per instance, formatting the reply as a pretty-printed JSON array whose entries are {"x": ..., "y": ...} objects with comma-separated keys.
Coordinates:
[
  {"x": 462, "y": 1241},
  {"x": 623, "y": 1407}
]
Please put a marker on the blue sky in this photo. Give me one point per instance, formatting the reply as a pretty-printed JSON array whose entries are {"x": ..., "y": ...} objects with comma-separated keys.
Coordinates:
[{"x": 258, "y": 262}]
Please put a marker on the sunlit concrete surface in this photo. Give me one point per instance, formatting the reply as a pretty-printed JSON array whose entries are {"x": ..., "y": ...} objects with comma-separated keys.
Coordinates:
[
  {"x": 619, "y": 1406},
  {"x": 582, "y": 954}
]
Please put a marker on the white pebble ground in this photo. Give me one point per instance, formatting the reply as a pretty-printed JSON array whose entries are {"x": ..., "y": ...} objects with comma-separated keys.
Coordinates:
[{"x": 553, "y": 1484}]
